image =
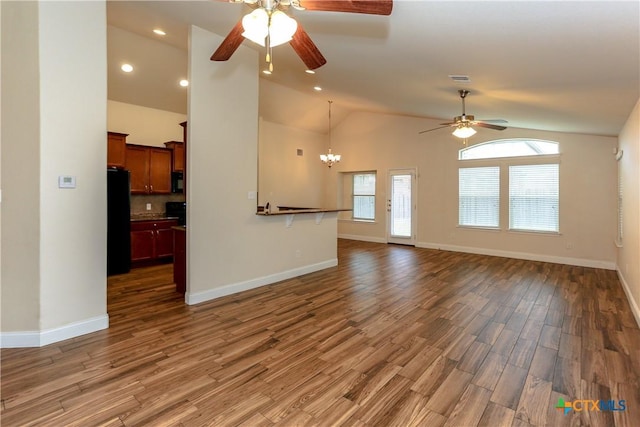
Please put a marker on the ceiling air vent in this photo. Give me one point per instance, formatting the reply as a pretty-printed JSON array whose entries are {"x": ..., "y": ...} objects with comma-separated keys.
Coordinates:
[{"x": 459, "y": 78}]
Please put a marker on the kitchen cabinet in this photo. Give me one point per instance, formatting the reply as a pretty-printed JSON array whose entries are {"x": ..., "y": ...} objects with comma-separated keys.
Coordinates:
[
  {"x": 152, "y": 240},
  {"x": 177, "y": 148},
  {"x": 180, "y": 259},
  {"x": 150, "y": 169},
  {"x": 116, "y": 149}
]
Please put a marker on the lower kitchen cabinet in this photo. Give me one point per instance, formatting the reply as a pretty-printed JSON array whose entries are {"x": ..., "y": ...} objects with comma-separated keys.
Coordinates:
[
  {"x": 180, "y": 259},
  {"x": 152, "y": 240}
]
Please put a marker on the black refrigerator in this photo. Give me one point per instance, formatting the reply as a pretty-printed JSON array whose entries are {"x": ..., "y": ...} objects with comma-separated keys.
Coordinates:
[{"x": 118, "y": 222}]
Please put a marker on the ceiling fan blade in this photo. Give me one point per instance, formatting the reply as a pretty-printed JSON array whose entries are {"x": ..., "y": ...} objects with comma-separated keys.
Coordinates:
[
  {"x": 429, "y": 130},
  {"x": 230, "y": 44},
  {"x": 371, "y": 7},
  {"x": 489, "y": 126},
  {"x": 493, "y": 121},
  {"x": 306, "y": 49},
  {"x": 449, "y": 124}
]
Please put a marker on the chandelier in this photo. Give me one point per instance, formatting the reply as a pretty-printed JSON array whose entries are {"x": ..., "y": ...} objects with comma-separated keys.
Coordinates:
[{"x": 329, "y": 159}]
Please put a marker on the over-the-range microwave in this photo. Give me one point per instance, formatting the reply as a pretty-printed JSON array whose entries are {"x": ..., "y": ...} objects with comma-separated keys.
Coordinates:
[{"x": 177, "y": 182}]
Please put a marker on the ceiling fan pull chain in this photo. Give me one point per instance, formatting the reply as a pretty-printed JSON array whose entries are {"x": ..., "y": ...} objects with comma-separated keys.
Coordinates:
[{"x": 269, "y": 57}]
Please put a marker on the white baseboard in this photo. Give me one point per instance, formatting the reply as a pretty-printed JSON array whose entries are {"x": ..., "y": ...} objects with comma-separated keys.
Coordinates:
[
  {"x": 607, "y": 265},
  {"x": 198, "y": 297},
  {"x": 50, "y": 336},
  {"x": 362, "y": 238},
  {"x": 632, "y": 302}
]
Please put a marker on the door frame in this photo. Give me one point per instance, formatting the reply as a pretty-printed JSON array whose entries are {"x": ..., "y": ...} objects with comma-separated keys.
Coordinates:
[{"x": 411, "y": 241}]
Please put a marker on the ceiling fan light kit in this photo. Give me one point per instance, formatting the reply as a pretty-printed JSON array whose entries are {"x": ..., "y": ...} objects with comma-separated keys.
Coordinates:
[
  {"x": 464, "y": 131},
  {"x": 276, "y": 27}
]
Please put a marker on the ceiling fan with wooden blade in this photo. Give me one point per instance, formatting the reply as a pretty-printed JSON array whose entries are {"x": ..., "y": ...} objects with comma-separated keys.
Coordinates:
[
  {"x": 269, "y": 26},
  {"x": 465, "y": 122}
]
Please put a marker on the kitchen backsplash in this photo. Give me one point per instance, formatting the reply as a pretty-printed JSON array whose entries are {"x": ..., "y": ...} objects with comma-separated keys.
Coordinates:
[{"x": 139, "y": 203}]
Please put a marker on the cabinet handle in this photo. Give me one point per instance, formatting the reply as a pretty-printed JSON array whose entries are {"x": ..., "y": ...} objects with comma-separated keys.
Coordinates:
[
  {"x": 146, "y": 188},
  {"x": 152, "y": 188}
]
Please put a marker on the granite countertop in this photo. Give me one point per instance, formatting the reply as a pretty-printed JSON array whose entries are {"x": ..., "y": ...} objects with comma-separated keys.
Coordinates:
[{"x": 151, "y": 217}]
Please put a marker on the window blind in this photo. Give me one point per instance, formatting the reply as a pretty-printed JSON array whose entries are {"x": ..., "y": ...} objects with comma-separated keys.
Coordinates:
[
  {"x": 364, "y": 196},
  {"x": 479, "y": 196},
  {"x": 534, "y": 197}
]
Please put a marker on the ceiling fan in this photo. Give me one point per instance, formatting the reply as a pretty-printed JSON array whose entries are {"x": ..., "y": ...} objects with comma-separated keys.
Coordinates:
[
  {"x": 464, "y": 123},
  {"x": 268, "y": 25}
]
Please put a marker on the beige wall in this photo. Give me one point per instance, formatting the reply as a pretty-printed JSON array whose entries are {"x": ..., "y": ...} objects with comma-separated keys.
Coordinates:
[
  {"x": 284, "y": 178},
  {"x": 20, "y": 167},
  {"x": 380, "y": 142},
  {"x": 54, "y": 259},
  {"x": 145, "y": 126},
  {"x": 629, "y": 253},
  {"x": 229, "y": 247}
]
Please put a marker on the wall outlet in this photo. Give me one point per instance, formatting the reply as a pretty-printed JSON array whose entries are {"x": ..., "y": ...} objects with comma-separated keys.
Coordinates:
[
  {"x": 148, "y": 206},
  {"x": 569, "y": 245},
  {"x": 298, "y": 253}
]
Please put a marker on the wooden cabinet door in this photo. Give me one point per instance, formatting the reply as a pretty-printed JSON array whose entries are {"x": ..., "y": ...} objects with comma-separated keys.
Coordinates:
[
  {"x": 159, "y": 171},
  {"x": 177, "y": 148},
  {"x": 116, "y": 149},
  {"x": 137, "y": 162},
  {"x": 142, "y": 244},
  {"x": 164, "y": 242}
]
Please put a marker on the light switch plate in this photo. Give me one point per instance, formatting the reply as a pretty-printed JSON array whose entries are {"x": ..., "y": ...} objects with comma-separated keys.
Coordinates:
[{"x": 66, "y": 181}]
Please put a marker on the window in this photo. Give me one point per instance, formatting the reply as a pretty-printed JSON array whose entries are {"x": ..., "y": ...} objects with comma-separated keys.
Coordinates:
[
  {"x": 364, "y": 196},
  {"x": 533, "y": 197},
  {"x": 516, "y": 147},
  {"x": 479, "y": 196},
  {"x": 530, "y": 170}
]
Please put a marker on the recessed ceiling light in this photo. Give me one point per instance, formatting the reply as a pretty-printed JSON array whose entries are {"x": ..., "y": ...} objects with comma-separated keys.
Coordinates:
[
  {"x": 309, "y": 71},
  {"x": 127, "y": 68},
  {"x": 184, "y": 83},
  {"x": 159, "y": 32},
  {"x": 317, "y": 88}
]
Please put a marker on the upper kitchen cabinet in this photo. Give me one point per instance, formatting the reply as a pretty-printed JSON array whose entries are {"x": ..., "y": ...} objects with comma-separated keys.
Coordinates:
[
  {"x": 116, "y": 149},
  {"x": 150, "y": 169},
  {"x": 178, "y": 155}
]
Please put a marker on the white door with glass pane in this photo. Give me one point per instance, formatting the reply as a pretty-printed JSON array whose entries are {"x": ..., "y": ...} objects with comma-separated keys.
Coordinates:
[{"x": 402, "y": 207}]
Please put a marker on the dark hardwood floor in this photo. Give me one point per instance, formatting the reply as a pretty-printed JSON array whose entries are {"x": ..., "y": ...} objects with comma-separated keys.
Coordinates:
[{"x": 393, "y": 336}]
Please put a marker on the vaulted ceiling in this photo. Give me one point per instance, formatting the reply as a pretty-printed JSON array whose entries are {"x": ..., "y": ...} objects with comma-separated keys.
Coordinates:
[{"x": 561, "y": 66}]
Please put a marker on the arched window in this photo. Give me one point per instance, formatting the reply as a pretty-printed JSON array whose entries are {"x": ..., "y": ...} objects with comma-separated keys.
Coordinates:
[
  {"x": 516, "y": 147},
  {"x": 532, "y": 191}
]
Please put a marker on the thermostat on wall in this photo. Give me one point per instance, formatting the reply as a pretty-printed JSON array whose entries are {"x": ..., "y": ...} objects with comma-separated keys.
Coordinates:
[{"x": 66, "y": 181}]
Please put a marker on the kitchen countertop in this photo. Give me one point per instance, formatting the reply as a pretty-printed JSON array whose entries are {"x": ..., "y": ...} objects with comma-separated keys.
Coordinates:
[
  {"x": 151, "y": 217},
  {"x": 300, "y": 211},
  {"x": 180, "y": 227}
]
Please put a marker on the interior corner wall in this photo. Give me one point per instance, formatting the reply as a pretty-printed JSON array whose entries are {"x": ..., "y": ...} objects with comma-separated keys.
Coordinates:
[
  {"x": 629, "y": 253},
  {"x": 380, "y": 142},
  {"x": 144, "y": 126},
  {"x": 20, "y": 168},
  {"x": 229, "y": 247}
]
